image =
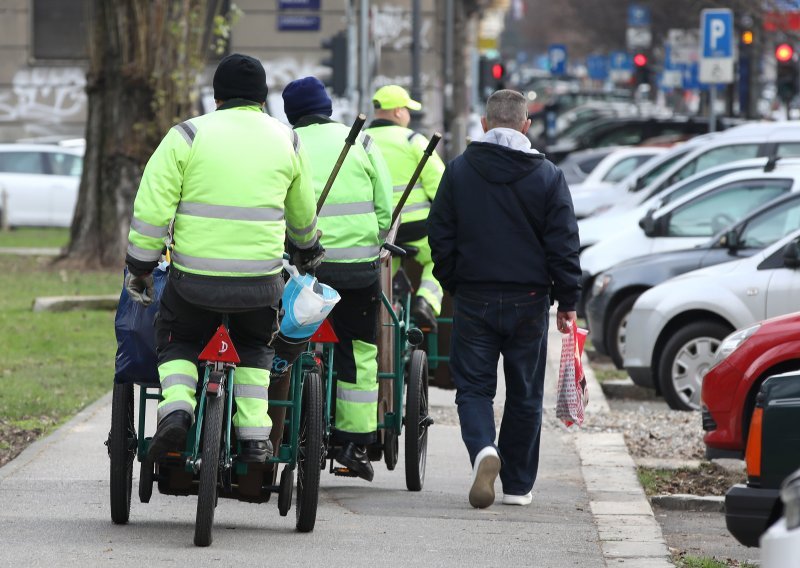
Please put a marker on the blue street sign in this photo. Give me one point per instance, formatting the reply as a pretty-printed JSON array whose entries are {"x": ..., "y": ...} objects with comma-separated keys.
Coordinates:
[
  {"x": 620, "y": 61},
  {"x": 298, "y": 23},
  {"x": 557, "y": 58},
  {"x": 638, "y": 16},
  {"x": 717, "y": 32},
  {"x": 298, "y": 4},
  {"x": 597, "y": 67},
  {"x": 691, "y": 77},
  {"x": 786, "y": 5}
]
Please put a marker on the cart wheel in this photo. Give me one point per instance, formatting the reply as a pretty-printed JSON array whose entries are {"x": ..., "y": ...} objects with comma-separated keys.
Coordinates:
[
  {"x": 391, "y": 448},
  {"x": 209, "y": 467},
  {"x": 310, "y": 452},
  {"x": 146, "y": 481},
  {"x": 121, "y": 443},
  {"x": 285, "y": 493},
  {"x": 417, "y": 421}
]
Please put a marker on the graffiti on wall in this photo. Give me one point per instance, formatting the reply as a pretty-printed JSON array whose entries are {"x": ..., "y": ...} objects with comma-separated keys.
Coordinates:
[
  {"x": 392, "y": 28},
  {"x": 44, "y": 94}
]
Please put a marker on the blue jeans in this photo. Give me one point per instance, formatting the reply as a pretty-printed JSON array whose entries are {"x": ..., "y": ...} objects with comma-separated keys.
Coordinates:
[{"x": 487, "y": 323}]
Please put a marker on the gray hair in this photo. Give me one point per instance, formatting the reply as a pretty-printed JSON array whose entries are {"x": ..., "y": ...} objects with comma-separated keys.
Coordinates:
[{"x": 506, "y": 108}]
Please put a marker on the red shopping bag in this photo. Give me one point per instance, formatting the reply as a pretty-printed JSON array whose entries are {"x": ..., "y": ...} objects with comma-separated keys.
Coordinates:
[{"x": 571, "y": 399}]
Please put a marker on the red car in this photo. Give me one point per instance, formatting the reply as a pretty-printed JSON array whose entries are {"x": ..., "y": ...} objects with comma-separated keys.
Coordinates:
[{"x": 744, "y": 359}]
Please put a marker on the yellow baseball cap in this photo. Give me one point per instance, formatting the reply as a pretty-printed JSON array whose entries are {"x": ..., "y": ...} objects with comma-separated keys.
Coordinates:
[{"x": 394, "y": 96}]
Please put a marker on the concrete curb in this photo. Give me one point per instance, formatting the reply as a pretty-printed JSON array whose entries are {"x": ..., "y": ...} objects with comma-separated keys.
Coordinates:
[
  {"x": 685, "y": 502},
  {"x": 30, "y": 251},
  {"x": 42, "y": 444},
  {"x": 74, "y": 303}
]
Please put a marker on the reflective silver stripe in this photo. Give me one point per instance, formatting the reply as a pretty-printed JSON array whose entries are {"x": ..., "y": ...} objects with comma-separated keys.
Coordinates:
[
  {"x": 145, "y": 255},
  {"x": 304, "y": 230},
  {"x": 171, "y": 407},
  {"x": 234, "y": 265},
  {"x": 416, "y": 207},
  {"x": 368, "y": 397},
  {"x": 352, "y": 253},
  {"x": 250, "y": 391},
  {"x": 399, "y": 188},
  {"x": 149, "y": 230},
  {"x": 367, "y": 142},
  {"x": 295, "y": 141},
  {"x": 187, "y": 130},
  {"x": 178, "y": 379},
  {"x": 253, "y": 432},
  {"x": 358, "y": 208},
  {"x": 230, "y": 212},
  {"x": 432, "y": 288}
]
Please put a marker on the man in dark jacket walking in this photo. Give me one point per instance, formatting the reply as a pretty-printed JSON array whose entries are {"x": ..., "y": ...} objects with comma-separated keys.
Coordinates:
[{"x": 504, "y": 239}]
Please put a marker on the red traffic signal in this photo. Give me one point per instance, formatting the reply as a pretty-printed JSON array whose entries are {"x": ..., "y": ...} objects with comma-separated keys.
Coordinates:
[
  {"x": 784, "y": 52},
  {"x": 640, "y": 60},
  {"x": 498, "y": 71}
]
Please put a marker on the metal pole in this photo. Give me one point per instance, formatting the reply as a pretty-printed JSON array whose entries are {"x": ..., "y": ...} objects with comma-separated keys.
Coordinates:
[
  {"x": 3, "y": 210},
  {"x": 416, "y": 53},
  {"x": 352, "y": 54},
  {"x": 363, "y": 45},
  {"x": 449, "y": 18},
  {"x": 712, "y": 113}
]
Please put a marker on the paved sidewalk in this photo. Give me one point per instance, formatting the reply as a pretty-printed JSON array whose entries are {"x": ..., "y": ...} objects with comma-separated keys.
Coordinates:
[{"x": 55, "y": 510}]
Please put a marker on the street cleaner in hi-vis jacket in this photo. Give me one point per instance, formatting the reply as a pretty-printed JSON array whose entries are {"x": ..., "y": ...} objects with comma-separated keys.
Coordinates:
[{"x": 237, "y": 183}]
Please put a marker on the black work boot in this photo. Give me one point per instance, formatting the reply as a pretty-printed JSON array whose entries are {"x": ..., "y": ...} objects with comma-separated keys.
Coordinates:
[
  {"x": 255, "y": 451},
  {"x": 355, "y": 459},
  {"x": 170, "y": 434},
  {"x": 423, "y": 315}
]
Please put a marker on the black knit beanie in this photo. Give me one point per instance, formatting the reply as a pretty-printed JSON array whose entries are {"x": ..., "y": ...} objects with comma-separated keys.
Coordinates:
[
  {"x": 240, "y": 77},
  {"x": 305, "y": 96}
]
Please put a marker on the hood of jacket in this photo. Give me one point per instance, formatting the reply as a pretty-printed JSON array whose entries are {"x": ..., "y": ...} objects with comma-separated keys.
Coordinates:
[{"x": 503, "y": 155}]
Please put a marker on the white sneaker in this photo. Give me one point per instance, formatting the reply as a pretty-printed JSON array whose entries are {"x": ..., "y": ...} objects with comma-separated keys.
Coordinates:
[
  {"x": 484, "y": 472},
  {"x": 518, "y": 499}
]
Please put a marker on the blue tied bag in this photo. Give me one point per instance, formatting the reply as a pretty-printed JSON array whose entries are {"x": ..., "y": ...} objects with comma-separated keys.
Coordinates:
[
  {"x": 306, "y": 304},
  {"x": 134, "y": 324}
]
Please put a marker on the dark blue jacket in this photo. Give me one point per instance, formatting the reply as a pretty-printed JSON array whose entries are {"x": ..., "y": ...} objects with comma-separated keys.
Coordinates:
[{"x": 479, "y": 234}]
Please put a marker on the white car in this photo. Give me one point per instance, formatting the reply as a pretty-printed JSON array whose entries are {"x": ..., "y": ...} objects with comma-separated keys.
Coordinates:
[
  {"x": 598, "y": 187},
  {"x": 40, "y": 182},
  {"x": 676, "y": 328},
  {"x": 690, "y": 220},
  {"x": 626, "y": 214}
]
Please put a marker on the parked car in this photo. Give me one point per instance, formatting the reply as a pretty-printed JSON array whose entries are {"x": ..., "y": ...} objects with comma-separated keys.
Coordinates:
[
  {"x": 579, "y": 165},
  {"x": 627, "y": 131},
  {"x": 687, "y": 221},
  {"x": 773, "y": 454},
  {"x": 628, "y": 212},
  {"x": 743, "y": 361},
  {"x": 41, "y": 182},
  {"x": 676, "y": 328},
  {"x": 612, "y": 168},
  {"x": 616, "y": 290}
]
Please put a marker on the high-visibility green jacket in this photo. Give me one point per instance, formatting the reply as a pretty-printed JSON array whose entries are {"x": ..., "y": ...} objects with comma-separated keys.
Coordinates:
[
  {"x": 357, "y": 213},
  {"x": 236, "y": 182},
  {"x": 402, "y": 148}
]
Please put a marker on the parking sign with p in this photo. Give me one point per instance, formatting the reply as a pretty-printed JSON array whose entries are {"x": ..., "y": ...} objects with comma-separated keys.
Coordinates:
[{"x": 716, "y": 52}]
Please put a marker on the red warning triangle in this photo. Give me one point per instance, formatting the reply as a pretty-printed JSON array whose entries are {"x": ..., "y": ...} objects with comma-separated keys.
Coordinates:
[
  {"x": 325, "y": 334},
  {"x": 220, "y": 348}
]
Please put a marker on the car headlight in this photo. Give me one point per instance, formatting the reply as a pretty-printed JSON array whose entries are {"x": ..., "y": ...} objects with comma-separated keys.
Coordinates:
[
  {"x": 733, "y": 341},
  {"x": 600, "y": 284}
]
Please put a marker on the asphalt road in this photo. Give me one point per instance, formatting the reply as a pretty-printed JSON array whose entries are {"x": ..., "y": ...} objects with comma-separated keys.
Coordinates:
[{"x": 55, "y": 512}]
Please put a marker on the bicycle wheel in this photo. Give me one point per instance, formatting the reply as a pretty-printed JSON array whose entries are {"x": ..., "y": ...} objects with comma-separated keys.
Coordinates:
[
  {"x": 310, "y": 452},
  {"x": 122, "y": 452},
  {"x": 209, "y": 467},
  {"x": 417, "y": 421}
]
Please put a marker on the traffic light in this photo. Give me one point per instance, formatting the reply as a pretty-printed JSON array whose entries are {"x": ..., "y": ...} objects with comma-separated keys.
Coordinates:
[
  {"x": 337, "y": 61},
  {"x": 641, "y": 66},
  {"x": 788, "y": 73},
  {"x": 747, "y": 37},
  {"x": 492, "y": 76}
]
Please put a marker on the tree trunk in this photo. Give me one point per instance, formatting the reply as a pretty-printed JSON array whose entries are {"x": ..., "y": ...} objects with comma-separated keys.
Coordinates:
[{"x": 144, "y": 60}]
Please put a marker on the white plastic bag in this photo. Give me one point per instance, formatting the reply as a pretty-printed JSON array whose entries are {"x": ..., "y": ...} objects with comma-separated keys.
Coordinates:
[{"x": 306, "y": 304}]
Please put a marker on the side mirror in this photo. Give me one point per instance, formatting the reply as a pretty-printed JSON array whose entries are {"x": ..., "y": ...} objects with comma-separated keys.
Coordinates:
[
  {"x": 791, "y": 255},
  {"x": 648, "y": 224},
  {"x": 639, "y": 184},
  {"x": 731, "y": 240}
]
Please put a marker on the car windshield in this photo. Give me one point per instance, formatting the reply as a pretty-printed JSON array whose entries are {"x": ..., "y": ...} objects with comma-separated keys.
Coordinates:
[
  {"x": 659, "y": 169},
  {"x": 772, "y": 225}
]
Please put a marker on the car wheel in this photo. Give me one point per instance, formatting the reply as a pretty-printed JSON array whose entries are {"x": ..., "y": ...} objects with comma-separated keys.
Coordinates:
[
  {"x": 686, "y": 358},
  {"x": 618, "y": 328}
]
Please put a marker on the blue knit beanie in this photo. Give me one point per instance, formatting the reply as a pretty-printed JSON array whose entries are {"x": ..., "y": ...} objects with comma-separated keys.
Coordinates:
[{"x": 306, "y": 96}]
